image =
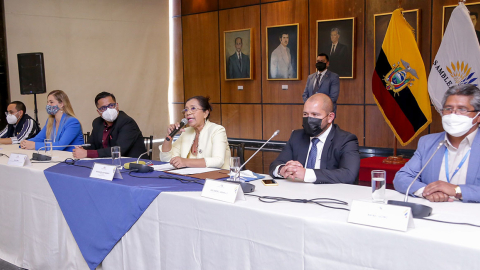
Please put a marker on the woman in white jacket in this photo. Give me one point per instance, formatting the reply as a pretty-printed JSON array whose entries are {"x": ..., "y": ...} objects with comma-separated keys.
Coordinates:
[{"x": 202, "y": 143}]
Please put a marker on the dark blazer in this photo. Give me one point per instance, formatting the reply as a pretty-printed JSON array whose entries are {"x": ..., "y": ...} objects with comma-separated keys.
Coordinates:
[
  {"x": 125, "y": 133},
  {"x": 329, "y": 85},
  {"x": 234, "y": 71},
  {"x": 340, "y": 157},
  {"x": 340, "y": 60}
]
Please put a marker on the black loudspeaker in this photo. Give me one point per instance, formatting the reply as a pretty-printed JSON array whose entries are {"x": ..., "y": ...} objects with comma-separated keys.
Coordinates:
[{"x": 31, "y": 71}]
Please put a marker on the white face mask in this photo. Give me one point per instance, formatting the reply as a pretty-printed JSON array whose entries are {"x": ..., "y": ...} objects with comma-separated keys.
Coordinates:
[
  {"x": 12, "y": 119},
  {"x": 110, "y": 115},
  {"x": 457, "y": 125}
]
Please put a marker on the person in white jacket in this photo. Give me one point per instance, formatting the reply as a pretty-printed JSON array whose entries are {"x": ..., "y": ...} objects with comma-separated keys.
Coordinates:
[{"x": 201, "y": 144}]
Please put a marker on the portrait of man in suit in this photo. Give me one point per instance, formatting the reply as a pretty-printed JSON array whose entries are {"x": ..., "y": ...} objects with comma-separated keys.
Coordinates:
[
  {"x": 282, "y": 52},
  {"x": 335, "y": 38},
  {"x": 474, "y": 9},
  {"x": 237, "y": 55}
]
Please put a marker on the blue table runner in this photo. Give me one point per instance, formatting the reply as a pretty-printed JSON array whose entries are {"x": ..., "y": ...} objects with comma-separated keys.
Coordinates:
[{"x": 100, "y": 212}]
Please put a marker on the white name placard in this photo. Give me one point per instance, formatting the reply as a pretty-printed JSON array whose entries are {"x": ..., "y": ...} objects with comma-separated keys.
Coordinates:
[
  {"x": 19, "y": 160},
  {"x": 105, "y": 172},
  {"x": 381, "y": 215},
  {"x": 222, "y": 191}
]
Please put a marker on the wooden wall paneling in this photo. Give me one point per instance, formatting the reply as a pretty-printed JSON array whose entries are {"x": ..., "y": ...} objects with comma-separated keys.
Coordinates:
[
  {"x": 384, "y": 6},
  {"x": 256, "y": 164},
  {"x": 351, "y": 90},
  {"x": 176, "y": 8},
  {"x": 216, "y": 114},
  {"x": 223, "y": 4},
  {"x": 280, "y": 13},
  {"x": 242, "y": 121},
  {"x": 436, "y": 125},
  {"x": 198, "y": 6},
  {"x": 379, "y": 134},
  {"x": 285, "y": 118},
  {"x": 268, "y": 158},
  {"x": 178, "y": 91},
  {"x": 270, "y": 1},
  {"x": 200, "y": 55},
  {"x": 237, "y": 19},
  {"x": 351, "y": 118}
]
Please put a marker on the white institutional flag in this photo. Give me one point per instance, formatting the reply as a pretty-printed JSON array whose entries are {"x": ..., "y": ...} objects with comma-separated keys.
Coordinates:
[{"x": 458, "y": 58}]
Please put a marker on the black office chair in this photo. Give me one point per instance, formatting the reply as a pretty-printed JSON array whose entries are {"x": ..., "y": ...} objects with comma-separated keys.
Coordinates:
[
  {"x": 149, "y": 144},
  {"x": 238, "y": 150},
  {"x": 86, "y": 136}
]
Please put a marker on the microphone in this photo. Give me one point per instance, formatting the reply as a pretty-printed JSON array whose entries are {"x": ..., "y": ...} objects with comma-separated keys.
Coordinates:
[
  {"x": 418, "y": 210},
  {"x": 39, "y": 157},
  {"x": 182, "y": 124},
  {"x": 139, "y": 167},
  {"x": 247, "y": 187}
]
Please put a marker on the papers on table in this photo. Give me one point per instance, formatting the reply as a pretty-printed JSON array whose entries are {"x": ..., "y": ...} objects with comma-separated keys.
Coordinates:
[
  {"x": 163, "y": 167},
  {"x": 187, "y": 171}
]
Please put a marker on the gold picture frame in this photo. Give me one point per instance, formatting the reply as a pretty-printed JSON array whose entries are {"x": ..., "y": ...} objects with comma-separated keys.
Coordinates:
[
  {"x": 238, "y": 67},
  {"x": 380, "y": 25},
  {"x": 447, "y": 12},
  {"x": 342, "y": 60},
  {"x": 278, "y": 57}
]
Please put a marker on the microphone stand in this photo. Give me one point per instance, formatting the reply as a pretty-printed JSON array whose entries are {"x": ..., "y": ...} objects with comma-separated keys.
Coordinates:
[{"x": 418, "y": 210}]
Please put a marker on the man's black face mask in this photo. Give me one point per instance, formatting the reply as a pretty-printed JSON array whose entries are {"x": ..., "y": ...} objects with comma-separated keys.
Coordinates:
[{"x": 312, "y": 126}]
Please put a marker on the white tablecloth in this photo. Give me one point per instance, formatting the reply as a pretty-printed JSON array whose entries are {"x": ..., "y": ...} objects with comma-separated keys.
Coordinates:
[{"x": 186, "y": 231}]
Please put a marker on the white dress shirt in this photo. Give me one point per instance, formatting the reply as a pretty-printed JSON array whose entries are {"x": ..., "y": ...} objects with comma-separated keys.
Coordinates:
[
  {"x": 455, "y": 156},
  {"x": 310, "y": 176}
]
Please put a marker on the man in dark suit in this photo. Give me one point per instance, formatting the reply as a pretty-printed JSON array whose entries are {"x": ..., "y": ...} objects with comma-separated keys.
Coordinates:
[
  {"x": 238, "y": 63},
  {"x": 323, "y": 81},
  {"x": 339, "y": 55},
  {"x": 321, "y": 152},
  {"x": 474, "y": 18},
  {"x": 112, "y": 128}
]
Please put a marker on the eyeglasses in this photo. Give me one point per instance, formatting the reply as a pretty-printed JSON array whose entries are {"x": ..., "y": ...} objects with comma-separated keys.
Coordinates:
[
  {"x": 458, "y": 111},
  {"x": 109, "y": 106},
  {"x": 192, "y": 109}
]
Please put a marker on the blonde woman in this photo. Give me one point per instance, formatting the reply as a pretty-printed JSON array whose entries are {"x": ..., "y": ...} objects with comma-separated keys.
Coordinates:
[
  {"x": 62, "y": 127},
  {"x": 202, "y": 144}
]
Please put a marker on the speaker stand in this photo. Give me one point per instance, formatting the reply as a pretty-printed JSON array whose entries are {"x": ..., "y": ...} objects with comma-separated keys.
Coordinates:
[{"x": 35, "y": 109}]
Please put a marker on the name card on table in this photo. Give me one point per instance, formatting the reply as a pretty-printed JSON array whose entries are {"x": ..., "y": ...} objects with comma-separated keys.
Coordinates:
[
  {"x": 222, "y": 191},
  {"x": 105, "y": 172},
  {"x": 381, "y": 215},
  {"x": 19, "y": 160}
]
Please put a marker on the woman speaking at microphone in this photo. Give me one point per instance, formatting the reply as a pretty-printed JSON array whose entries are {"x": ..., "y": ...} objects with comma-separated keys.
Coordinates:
[
  {"x": 202, "y": 144},
  {"x": 62, "y": 127}
]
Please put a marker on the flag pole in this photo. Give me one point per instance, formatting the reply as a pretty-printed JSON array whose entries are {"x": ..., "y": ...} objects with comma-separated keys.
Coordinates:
[{"x": 394, "y": 159}]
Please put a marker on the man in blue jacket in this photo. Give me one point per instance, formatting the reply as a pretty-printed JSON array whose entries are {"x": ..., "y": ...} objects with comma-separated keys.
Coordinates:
[
  {"x": 20, "y": 125},
  {"x": 453, "y": 173}
]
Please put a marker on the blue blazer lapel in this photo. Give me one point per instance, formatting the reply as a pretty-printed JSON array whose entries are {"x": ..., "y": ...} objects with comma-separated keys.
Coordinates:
[
  {"x": 431, "y": 173},
  {"x": 303, "y": 146},
  {"x": 474, "y": 161},
  {"x": 328, "y": 144},
  {"x": 325, "y": 78}
]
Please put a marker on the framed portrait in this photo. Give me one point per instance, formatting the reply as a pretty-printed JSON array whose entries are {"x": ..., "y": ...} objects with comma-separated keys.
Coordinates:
[
  {"x": 283, "y": 52},
  {"x": 474, "y": 9},
  {"x": 238, "y": 49},
  {"x": 336, "y": 38},
  {"x": 380, "y": 25}
]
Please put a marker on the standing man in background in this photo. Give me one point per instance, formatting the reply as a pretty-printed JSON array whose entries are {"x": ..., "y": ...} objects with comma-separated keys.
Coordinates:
[
  {"x": 20, "y": 125},
  {"x": 112, "y": 128},
  {"x": 323, "y": 81}
]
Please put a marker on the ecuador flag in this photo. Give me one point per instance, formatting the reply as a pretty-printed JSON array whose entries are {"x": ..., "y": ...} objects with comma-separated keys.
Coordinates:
[{"x": 399, "y": 82}]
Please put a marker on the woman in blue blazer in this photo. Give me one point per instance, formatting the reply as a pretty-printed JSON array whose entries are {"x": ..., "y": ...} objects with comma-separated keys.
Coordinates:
[{"x": 62, "y": 126}]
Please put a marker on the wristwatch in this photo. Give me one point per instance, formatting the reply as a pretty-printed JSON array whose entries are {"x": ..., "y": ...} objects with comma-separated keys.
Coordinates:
[{"x": 458, "y": 192}]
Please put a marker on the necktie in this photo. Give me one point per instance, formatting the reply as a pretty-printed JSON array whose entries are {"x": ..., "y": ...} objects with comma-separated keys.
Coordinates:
[
  {"x": 240, "y": 61},
  {"x": 317, "y": 82},
  {"x": 312, "y": 156},
  {"x": 333, "y": 49}
]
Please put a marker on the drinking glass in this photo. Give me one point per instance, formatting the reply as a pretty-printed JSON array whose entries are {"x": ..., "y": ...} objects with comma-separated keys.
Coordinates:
[
  {"x": 234, "y": 167},
  {"x": 378, "y": 185},
  {"x": 48, "y": 147},
  {"x": 116, "y": 157}
]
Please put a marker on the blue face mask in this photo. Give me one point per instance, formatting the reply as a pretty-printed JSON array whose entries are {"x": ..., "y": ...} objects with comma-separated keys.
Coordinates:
[{"x": 52, "y": 110}]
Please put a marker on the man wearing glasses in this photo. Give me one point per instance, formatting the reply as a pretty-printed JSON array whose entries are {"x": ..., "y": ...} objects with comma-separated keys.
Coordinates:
[
  {"x": 20, "y": 125},
  {"x": 454, "y": 171},
  {"x": 112, "y": 128}
]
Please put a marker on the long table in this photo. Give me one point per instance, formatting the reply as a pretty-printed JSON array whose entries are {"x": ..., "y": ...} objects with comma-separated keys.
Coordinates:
[{"x": 182, "y": 230}]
